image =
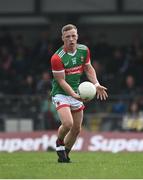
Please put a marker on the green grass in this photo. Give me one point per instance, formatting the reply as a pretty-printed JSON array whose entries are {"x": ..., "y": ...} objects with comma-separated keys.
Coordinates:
[{"x": 85, "y": 165}]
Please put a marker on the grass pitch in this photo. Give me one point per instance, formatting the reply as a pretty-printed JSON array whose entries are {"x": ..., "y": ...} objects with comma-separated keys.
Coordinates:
[{"x": 43, "y": 165}]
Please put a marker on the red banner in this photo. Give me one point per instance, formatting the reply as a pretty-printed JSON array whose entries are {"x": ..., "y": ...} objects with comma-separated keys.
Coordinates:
[{"x": 87, "y": 141}]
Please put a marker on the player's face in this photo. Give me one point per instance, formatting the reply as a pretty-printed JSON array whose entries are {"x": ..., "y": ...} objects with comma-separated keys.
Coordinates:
[{"x": 70, "y": 39}]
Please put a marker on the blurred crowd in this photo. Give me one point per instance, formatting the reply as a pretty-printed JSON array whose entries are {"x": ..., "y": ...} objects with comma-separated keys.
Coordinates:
[{"x": 25, "y": 70}]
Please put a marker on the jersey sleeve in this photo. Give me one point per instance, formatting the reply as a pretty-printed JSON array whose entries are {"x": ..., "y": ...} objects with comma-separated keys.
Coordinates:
[
  {"x": 87, "y": 61},
  {"x": 56, "y": 63}
]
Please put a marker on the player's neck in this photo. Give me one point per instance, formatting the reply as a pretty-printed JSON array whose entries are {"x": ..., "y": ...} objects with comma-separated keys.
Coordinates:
[{"x": 70, "y": 50}]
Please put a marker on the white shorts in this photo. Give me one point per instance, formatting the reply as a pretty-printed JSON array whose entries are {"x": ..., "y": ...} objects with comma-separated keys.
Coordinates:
[{"x": 60, "y": 101}]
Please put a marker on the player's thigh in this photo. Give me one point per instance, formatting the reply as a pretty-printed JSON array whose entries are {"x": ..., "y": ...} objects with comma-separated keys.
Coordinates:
[
  {"x": 77, "y": 118},
  {"x": 65, "y": 116}
]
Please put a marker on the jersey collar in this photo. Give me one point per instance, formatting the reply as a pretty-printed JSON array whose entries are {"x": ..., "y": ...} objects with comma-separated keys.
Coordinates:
[{"x": 71, "y": 54}]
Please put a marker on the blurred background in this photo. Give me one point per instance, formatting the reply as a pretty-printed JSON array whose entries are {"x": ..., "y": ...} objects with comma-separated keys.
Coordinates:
[{"x": 30, "y": 32}]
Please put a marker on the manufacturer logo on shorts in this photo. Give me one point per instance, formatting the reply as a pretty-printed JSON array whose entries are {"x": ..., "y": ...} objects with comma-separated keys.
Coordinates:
[{"x": 58, "y": 103}]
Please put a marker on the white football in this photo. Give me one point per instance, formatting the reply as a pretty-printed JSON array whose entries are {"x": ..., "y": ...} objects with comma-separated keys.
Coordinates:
[{"x": 87, "y": 90}]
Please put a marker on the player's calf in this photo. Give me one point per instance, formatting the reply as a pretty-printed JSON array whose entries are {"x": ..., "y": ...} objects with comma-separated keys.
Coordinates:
[{"x": 60, "y": 149}]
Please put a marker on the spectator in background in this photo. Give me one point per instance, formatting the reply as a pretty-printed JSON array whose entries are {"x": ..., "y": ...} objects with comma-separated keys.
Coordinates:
[
  {"x": 19, "y": 42},
  {"x": 6, "y": 60},
  {"x": 129, "y": 89},
  {"x": 7, "y": 72},
  {"x": 113, "y": 68},
  {"x": 44, "y": 84},
  {"x": 41, "y": 47},
  {"x": 102, "y": 49},
  {"x": 28, "y": 86},
  {"x": 6, "y": 40},
  {"x": 42, "y": 52},
  {"x": 48, "y": 114},
  {"x": 135, "y": 65},
  {"x": 21, "y": 61},
  {"x": 133, "y": 120},
  {"x": 116, "y": 62},
  {"x": 118, "y": 109}
]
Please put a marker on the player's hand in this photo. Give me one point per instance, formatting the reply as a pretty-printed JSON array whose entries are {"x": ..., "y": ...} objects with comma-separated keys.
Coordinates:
[
  {"x": 77, "y": 96},
  {"x": 101, "y": 92}
]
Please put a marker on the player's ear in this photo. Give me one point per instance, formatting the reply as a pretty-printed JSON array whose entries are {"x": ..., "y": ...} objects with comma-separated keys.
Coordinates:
[{"x": 77, "y": 36}]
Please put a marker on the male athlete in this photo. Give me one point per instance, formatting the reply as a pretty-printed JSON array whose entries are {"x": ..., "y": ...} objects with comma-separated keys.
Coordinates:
[{"x": 68, "y": 64}]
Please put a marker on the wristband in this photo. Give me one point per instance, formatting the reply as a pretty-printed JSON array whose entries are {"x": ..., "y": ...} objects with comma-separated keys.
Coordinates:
[{"x": 96, "y": 84}]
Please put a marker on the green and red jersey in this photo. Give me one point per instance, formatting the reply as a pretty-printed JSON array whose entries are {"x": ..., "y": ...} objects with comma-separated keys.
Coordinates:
[{"x": 70, "y": 63}]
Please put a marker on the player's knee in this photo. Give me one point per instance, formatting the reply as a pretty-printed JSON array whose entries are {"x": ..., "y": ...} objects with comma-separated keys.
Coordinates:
[
  {"x": 67, "y": 125},
  {"x": 76, "y": 130}
]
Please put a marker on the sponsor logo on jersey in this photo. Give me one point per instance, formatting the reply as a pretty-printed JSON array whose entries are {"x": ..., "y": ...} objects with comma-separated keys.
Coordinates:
[{"x": 74, "y": 70}]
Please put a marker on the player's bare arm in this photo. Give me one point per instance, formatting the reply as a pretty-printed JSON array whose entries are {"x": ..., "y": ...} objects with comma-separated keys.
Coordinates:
[
  {"x": 91, "y": 75},
  {"x": 60, "y": 77}
]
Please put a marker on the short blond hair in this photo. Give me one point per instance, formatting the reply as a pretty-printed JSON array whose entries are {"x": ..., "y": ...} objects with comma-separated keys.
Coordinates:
[{"x": 68, "y": 27}]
